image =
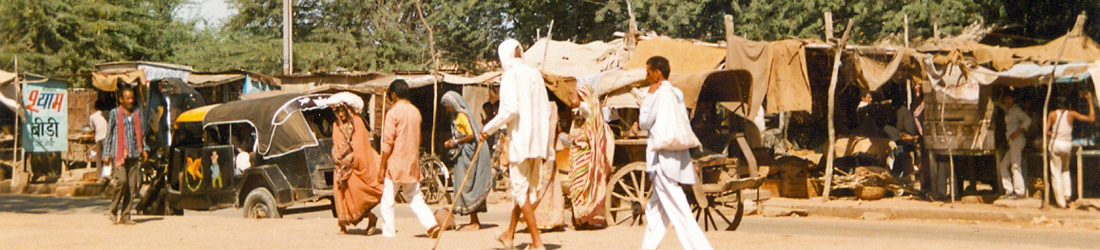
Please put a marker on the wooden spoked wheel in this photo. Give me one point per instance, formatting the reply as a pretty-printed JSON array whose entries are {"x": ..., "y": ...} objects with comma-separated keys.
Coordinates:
[{"x": 628, "y": 191}]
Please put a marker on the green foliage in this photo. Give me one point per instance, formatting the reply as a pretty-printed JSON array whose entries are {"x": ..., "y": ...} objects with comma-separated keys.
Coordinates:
[
  {"x": 356, "y": 35},
  {"x": 57, "y": 37},
  {"x": 62, "y": 37},
  {"x": 873, "y": 20}
]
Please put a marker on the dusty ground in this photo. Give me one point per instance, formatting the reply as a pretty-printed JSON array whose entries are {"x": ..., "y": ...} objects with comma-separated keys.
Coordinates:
[{"x": 35, "y": 222}]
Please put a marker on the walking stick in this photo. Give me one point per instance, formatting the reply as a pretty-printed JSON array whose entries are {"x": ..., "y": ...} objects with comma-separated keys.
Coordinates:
[{"x": 461, "y": 186}]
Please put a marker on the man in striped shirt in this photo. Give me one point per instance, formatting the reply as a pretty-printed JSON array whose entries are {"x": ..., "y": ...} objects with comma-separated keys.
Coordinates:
[{"x": 125, "y": 147}]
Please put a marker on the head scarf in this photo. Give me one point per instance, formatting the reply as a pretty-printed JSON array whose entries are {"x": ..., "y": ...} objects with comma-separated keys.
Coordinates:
[
  {"x": 347, "y": 98},
  {"x": 455, "y": 101},
  {"x": 507, "y": 53}
]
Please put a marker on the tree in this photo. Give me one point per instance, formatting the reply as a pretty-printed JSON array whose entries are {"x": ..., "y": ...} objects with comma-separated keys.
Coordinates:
[
  {"x": 357, "y": 35},
  {"x": 56, "y": 37}
]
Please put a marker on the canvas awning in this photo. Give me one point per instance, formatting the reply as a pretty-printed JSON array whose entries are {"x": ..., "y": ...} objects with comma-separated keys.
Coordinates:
[
  {"x": 109, "y": 82},
  {"x": 203, "y": 80},
  {"x": 569, "y": 59},
  {"x": 1078, "y": 48},
  {"x": 962, "y": 82}
]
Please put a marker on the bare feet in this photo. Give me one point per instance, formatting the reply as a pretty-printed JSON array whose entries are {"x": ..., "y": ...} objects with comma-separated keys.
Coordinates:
[
  {"x": 470, "y": 227},
  {"x": 343, "y": 229},
  {"x": 505, "y": 239}
]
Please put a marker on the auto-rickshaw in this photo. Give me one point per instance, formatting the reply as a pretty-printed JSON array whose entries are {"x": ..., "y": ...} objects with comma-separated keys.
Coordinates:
[{"x": 286, "y": 137}]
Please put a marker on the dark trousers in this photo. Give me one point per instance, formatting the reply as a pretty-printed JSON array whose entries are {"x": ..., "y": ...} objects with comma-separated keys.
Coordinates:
[{"x": 127, "y": 181}]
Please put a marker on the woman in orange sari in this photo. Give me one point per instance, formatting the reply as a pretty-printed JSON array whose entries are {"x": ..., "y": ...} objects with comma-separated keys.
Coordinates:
[
  {"x": 592, "y": 151},
  {"x": 357, "y": 179}
]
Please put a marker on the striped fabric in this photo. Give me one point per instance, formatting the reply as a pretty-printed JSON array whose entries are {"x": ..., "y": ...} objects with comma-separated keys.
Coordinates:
[{"x": 592, "y": 152}]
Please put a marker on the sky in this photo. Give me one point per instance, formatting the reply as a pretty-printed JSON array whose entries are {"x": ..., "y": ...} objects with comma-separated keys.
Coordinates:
[{"x": 206, "y": 13}]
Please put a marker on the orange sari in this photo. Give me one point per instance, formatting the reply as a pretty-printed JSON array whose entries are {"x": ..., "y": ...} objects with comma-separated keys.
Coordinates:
[{"x": 357, "y": 165}]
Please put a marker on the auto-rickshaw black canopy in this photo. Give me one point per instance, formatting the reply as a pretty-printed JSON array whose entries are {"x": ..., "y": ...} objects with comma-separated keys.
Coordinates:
[{"x": 281, "y": 127}]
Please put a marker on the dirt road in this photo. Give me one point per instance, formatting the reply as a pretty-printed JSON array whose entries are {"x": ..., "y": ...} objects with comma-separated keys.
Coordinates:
[{"x": 31, "y": 222}]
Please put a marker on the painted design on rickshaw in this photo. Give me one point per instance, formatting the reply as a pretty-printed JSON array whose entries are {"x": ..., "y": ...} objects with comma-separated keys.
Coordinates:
[
  {"x": 215, "y": 171},
  {"x": 194, "y": 171}
]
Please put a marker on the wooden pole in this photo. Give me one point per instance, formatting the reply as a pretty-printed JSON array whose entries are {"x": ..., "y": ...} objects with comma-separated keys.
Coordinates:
[
  {"x": 288, "y": 38},
  {"x": 935, "y": 28},
  {"x": 906, "y": 30},
  {"x": 632, "y": 29},
  {"x": 546, "y": 51},
  {"x": 831, "y": 153},
  {"x": 15, "y": 128},
  {"x": 1046, "y": 119},
  {"x": 828, "y": 26},
  {"x": 435, "y": 70}
]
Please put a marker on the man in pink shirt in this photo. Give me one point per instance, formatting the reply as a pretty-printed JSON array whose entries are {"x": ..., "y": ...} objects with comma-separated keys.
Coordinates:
[{"x": 400, "y": 150}]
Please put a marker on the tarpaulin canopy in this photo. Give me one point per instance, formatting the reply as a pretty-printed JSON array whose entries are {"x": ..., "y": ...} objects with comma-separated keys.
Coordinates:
[
  {"x": 1078, "y": 48},
  {"x": 873, "y": 74},
  {"x": 202, "y": 80},
  {"x": 624, "y": 88},
  {"x": 424, "y": 80},
  {"x": 109, "y": 82},
  {"x": 684, "y": 57},
  {"x": 569, "y": 59},
  {"x": 961, "y": 82},
  {"x": 753, "y": 70}
]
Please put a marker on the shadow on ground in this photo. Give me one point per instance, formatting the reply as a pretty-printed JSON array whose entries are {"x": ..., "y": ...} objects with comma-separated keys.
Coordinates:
[{"x": 45, "y": 204}]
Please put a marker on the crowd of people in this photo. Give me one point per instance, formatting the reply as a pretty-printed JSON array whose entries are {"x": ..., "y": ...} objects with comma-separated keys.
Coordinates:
[
  {"x": 524, "y": 125},
  {"x": 366, "y": 181}
]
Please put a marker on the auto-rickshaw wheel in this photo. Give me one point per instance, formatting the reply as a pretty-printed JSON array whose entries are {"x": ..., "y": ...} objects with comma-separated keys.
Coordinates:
[
  {"x": 260, "y": 204},
  {"x": 628, "y": 191}
]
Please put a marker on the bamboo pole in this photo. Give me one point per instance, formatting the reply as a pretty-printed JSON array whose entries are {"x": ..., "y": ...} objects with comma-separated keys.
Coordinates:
[
  {"x": 831, "y": 153},
  {"x": 1046, "y": 118}
]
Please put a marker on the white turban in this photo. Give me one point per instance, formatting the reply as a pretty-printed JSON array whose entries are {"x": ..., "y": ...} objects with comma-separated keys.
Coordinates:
[{"x": 507, "y": 52}]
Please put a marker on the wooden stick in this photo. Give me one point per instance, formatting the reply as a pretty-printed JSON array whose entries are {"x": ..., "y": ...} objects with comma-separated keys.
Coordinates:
[
  {"x": 546, "y": 51},
  {"x": 828, "y": 26},
  {"x": 1046, "y": 121},
  {"x": 435, "y": 70},
  {"x": 906, "y": 30},
  {"x": 831, "y": 154},
  {"x": 458, "y": 192},
  {"x": 15, "y": 140}
]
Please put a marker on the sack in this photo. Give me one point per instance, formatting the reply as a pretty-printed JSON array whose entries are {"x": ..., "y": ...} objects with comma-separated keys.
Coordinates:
[{"x": 672, "y": 129}]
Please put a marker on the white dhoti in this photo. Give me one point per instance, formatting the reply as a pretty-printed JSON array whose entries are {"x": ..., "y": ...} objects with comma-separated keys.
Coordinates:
[
  {"x": 411, "y": 192},
  {"x": 1012, "y": 180},
  {"x": 668, "y": 204},
  {"x": 521, "y": 175}
]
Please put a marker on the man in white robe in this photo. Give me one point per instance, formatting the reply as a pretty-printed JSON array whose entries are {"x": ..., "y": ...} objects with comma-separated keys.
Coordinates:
[
  {"x": 668, "y": 170},
  {"x": 525, "y": 113}
]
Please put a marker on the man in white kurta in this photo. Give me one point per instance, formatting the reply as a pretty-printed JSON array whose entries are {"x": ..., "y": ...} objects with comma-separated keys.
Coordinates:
[
  {"x": 667, "y": 169},
  {"x": 525, "y": 113},
  {"x": 1016, "y": 121}
]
